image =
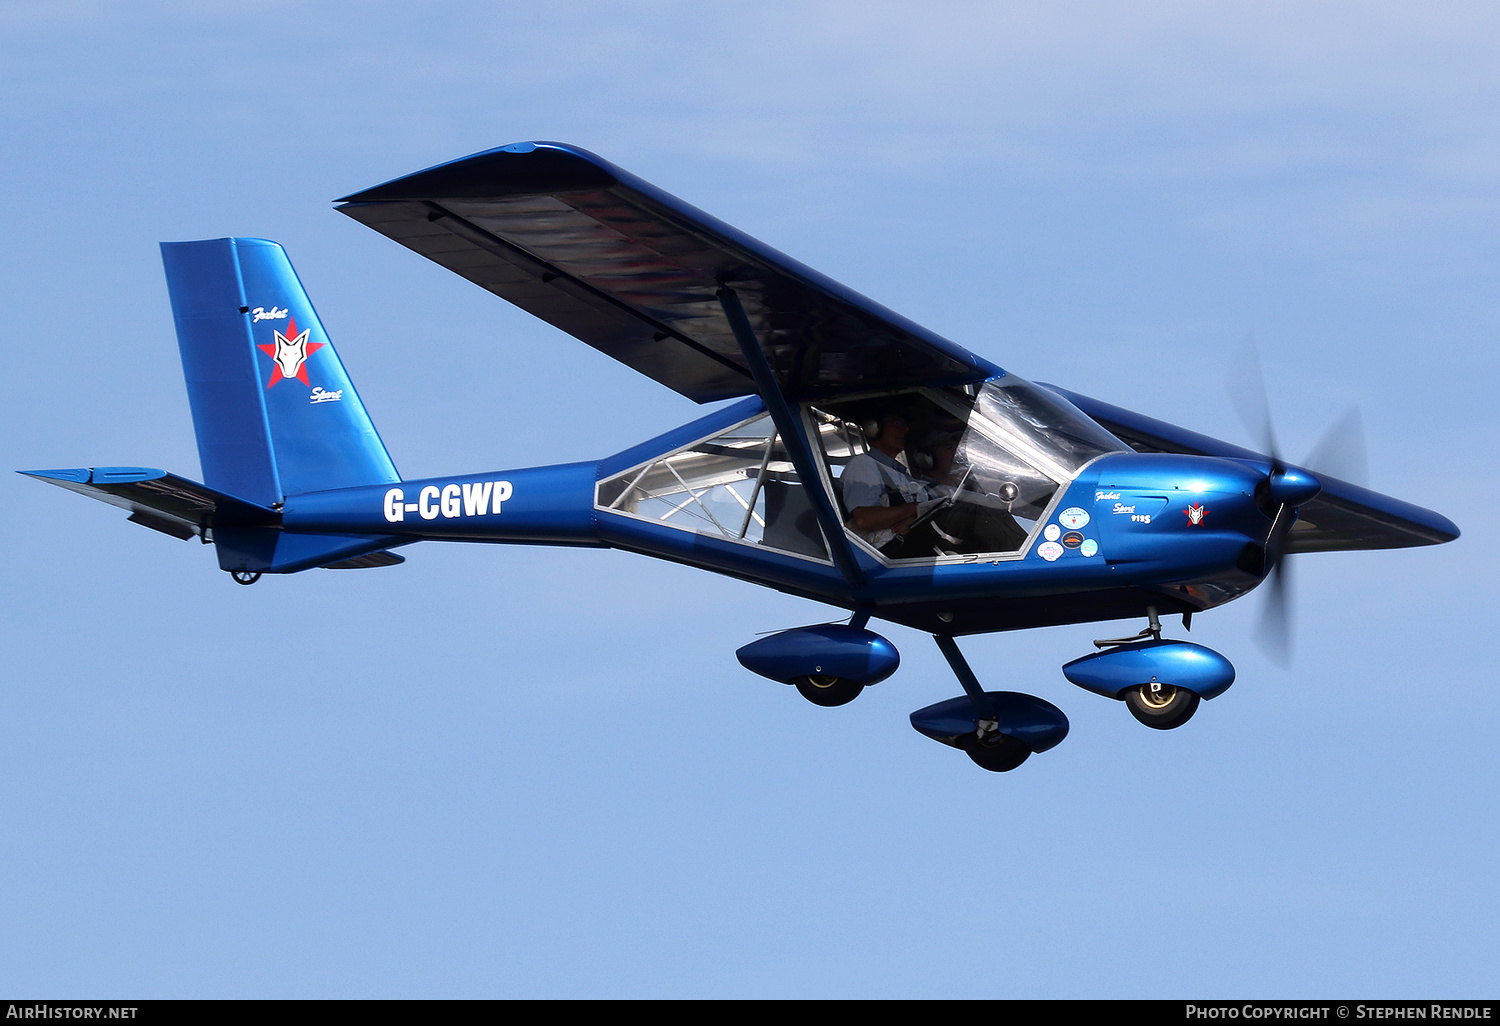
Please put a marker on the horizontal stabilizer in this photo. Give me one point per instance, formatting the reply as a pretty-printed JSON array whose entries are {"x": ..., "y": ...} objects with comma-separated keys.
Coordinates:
[
  {"x": 161, "y": 501},
  {"x": 248, "y": 537}
]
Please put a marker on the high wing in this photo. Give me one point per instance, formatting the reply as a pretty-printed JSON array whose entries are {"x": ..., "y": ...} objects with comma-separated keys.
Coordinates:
[
  {"x": 1342, "y": 516},
  {"x": 633, "y": 272}
]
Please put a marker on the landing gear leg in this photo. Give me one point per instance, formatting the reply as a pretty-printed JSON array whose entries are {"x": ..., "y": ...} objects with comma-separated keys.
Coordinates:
[
  {"x": 987, "y": 747},
  {"x": 1152, "y": 631}
]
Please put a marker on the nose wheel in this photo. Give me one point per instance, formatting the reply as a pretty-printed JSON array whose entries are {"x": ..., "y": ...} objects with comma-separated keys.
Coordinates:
[
  {"x": 1161, "y": 706},
  {"x": 994, "y": 751}
]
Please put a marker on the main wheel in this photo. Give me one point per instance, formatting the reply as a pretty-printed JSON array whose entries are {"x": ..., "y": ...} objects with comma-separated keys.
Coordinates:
[
  {"x": 1164, "y": 709},
  {"x": 996, "y": 752},
  {"x": 828, "y": 691}
]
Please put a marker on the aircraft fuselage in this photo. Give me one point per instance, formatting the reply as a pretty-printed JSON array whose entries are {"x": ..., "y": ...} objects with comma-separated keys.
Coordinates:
[{"x": 1130, "y": 531}]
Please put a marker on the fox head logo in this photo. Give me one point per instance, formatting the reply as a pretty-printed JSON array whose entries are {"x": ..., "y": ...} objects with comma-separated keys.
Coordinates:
[
  {"x": 290, "y": 352},
  {"x": 1195, "y": 513}
]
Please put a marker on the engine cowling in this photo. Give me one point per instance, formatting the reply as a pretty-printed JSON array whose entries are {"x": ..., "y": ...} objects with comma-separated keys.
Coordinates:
[
  {"x": 1181, "y": 664},
  {"x": 827, "y": 650}
]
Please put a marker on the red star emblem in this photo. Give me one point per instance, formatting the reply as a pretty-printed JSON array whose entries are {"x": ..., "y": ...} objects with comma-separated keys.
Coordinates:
[
  {"x": 289, "y": 354},
  {"x": 1196, "y": 513}
]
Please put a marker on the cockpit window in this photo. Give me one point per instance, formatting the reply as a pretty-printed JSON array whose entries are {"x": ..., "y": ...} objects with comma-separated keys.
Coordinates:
[
  {"x": 739, "y": 485},
  {"x": 930, "y": 474}
]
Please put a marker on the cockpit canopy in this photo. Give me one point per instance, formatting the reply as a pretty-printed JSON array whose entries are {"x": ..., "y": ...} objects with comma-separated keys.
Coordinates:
[{"x": 982, "y": 464}]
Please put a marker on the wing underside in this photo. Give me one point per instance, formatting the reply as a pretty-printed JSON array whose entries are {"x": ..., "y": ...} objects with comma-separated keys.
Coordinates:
[
  {"x": 634, "y": 272},
  {"x": 1342, "y": 516}
]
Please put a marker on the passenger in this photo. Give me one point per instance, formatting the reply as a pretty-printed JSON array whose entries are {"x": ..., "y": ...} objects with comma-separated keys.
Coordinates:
[
  {"x": 942, "y": 446},
  {"x": 977, "y": 522},
  {"x": 945, "y": 479}
]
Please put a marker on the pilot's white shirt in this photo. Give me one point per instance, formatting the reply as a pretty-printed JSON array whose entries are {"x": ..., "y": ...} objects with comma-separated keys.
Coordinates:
[{"x": 869, "y": 479}]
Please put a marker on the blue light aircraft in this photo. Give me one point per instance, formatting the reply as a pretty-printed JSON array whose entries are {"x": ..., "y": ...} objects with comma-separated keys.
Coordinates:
[{"x": 867, "y": 463}]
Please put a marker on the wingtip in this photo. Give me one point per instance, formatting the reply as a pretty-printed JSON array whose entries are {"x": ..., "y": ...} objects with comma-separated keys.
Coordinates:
[
  {"x": 503, "y": 170},
  {"x": 79, "y": 475}
]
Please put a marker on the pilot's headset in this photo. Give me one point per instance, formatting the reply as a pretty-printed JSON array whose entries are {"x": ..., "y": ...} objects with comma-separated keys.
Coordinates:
[
  {"x": 873, "y": 424},
  {"x": 922, "y": 457}
]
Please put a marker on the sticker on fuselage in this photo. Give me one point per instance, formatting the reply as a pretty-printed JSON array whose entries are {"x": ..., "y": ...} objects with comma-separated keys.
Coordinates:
[
  {"x": 1196, "y": 513},
  {"x": 474, "y": 499},
  {"x": 1049, "y": 551},
  {"x": 1051, "y": 531},
  {"x": 1089, "y": 547},
  {"x": 1072, "y": 539},
  {"x": 1073, "y": 518}
]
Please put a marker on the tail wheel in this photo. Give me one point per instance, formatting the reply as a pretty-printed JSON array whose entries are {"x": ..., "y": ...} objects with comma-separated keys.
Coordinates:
[
  {"x": 1164, "y": 707},
  {"x": 244, "y": 576},
  {"x": 996, "y": 752},
  {"x": 828, "y": 691}
]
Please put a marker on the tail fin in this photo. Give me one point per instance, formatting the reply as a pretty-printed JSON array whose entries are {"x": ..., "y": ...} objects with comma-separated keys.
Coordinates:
[{"x": 273, "y": 410}]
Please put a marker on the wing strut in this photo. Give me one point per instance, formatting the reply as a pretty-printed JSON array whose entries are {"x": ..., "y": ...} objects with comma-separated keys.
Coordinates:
[{"x": 792, "y": 435}]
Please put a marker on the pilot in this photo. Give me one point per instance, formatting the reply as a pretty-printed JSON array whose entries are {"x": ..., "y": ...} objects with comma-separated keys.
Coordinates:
[{"x": 880, "y": 494}]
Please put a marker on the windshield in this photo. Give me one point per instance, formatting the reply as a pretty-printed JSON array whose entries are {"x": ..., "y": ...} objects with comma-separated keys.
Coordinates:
[{"x": 1045, "y": 423}]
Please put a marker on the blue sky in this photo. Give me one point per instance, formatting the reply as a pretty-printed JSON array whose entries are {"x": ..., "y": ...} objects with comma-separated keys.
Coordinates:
[{"x": 530, "y": 772}]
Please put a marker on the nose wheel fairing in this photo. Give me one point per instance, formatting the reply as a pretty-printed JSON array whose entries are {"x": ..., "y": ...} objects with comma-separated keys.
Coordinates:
[{"x": 1035, "y": 722}]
